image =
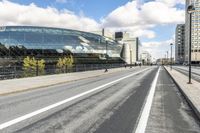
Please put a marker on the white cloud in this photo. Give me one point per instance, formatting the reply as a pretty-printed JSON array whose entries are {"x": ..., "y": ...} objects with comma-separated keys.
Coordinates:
[
  {"x": 137, "y": 18},
  {"x": 125, "y": 18},
  {"x": 160, "y": 13},
  {"x": 16, "y": 14},
  {"x": 158, "y": 49},
  {"x": 143, "y": 19},
  {"x": 157, "y": 44},
  {"x": 172, "y": 3}
]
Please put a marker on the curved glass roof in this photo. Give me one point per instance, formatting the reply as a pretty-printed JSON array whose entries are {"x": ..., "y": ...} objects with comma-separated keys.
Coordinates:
[{"x": 60, "y": 39}]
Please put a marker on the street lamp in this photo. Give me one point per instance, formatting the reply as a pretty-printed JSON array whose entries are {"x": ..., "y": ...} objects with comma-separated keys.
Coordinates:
[
  {"x": 190, "y": 10},
  {"x": 171, "y": 55},
  {"x": 106, "y": 70},
  {"x": 167, "y": 59},
  {"x": 130, "y": 58}
]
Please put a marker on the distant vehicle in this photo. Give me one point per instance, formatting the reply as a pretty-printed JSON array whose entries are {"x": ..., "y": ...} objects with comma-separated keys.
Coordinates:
[
  {"x": 185, "y": 64},
  {"x": 138, "y": 62}
]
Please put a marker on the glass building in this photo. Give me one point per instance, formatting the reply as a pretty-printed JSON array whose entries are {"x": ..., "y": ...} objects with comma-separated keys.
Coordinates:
[{"x": 57, "y": 40}]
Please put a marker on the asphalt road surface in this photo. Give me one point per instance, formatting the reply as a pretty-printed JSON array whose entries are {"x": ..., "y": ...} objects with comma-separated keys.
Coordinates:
[
  {"x": 170, "y": 112},
  {"x": 112, "y": 103}
]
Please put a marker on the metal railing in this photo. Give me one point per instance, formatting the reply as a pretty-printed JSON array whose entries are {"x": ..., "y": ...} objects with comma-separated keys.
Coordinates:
[{"x": 11, "y": 72}]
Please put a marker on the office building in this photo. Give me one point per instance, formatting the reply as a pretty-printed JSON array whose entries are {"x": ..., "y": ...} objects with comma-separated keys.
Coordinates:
[
  {"x": 180, "y": 44},
  {"x": 195, "y": 49},
  {"x": 131, "y": 49}
]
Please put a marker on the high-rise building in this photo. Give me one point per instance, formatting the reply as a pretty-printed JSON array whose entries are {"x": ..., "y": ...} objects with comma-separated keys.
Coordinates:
[
  {"x": 180, "y": 44},
  {"x": 195, "y": 58}
]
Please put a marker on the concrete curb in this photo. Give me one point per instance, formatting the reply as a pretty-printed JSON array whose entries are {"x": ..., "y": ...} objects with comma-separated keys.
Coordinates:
[
  {"x": 58, "y": 83},
  {"x": 190, "y": 103}
]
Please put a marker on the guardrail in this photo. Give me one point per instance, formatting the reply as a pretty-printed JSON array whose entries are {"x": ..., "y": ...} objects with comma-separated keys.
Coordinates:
[{"x": 11, "y": 72}]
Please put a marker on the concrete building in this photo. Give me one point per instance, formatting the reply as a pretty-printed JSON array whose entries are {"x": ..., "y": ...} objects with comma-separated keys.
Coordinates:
[
  {"x": 180, "y": 44},
  {"x": 165, "y": 61},
  {"x": 131, "y": 45},
  {"x": 146, "y": 58},
  {"x": 131, "y": 49},
  {"x": 105, "y": 33},
  {"x": 195, "y": 32}
]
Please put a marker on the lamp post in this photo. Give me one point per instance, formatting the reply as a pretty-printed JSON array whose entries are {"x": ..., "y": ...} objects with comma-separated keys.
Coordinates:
[
  {"x": 106, "y": 70},
  {"x": 171, "y": 56},
  {"x": 190, "y": 10},
  {"x": 167, "y": 59},
  {"x": 130, "y": 58},
  {"x": 37, "y": 65}
]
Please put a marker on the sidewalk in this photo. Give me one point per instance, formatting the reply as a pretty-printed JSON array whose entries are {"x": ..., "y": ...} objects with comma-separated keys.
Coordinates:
[
  {"x": 24, "y": 84},
  {"x": 190, "y": 91}
]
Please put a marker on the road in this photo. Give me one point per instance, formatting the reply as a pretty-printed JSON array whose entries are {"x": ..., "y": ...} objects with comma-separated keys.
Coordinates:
[
  {"x": 113, "y": 103},
  {"x": 184, "y": 70},
  {"x": 170, "y": 113}
]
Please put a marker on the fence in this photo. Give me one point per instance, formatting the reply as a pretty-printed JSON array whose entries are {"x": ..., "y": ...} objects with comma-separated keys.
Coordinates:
[{"x": 11, "y": 72}]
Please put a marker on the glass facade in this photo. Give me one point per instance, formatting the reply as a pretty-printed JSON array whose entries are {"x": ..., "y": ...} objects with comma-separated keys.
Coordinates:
[{"x": 58, "y": 39}]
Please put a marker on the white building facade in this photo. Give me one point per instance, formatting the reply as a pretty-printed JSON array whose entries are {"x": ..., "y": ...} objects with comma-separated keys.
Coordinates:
[
  {"x": 131, "y": 48},
  {"x": 195, "y": 32},
  {"x": 146, "y": 58}
]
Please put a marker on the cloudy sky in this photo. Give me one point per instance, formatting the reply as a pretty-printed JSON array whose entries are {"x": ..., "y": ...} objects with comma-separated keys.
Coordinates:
[{"x": 154, "y": 21}]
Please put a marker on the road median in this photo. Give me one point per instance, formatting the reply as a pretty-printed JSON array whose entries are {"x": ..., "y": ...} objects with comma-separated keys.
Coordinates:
[{"x": 190, "y": 91}]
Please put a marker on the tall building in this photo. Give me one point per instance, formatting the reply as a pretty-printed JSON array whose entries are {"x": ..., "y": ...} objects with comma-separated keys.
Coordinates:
[
  {"x": 131, "y": 48},
  {"x": 195, "y": 32},
  {"x": 180, "y": 44}
]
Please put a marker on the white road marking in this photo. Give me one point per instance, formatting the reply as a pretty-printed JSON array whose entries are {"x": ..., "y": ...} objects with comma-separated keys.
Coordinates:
[
  {"x": 27, "y": 116},
  {"x": 141, "y": 127}
]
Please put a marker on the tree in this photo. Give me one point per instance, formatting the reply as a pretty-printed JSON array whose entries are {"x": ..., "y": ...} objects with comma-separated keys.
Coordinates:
[
  {"x": 65, "y": 63},
  {"x": 30, "y": 66}
]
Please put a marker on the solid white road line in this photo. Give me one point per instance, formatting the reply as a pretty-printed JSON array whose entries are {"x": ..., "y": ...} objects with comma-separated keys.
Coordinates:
[
  {"x": 141, "y": 127},
  {"x": 27, "y": 116}
]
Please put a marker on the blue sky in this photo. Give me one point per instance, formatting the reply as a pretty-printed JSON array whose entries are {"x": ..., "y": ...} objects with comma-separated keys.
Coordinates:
[
  {"x": 155, "y": 28},
  {"x": 91, "y": 8}
]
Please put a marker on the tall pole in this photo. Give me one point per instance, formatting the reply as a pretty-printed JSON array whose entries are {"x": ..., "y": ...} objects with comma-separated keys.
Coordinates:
[
  {"x": 190, "y": 43},
  {"x": 106, "y": 56},
  {"x": 190, "y": 10},
  {"x": 131, "y": 58},
  {"x": 167, "y": 59},
  {"x": 37, "y": 68},
  {"x": 171, "y": 56}
]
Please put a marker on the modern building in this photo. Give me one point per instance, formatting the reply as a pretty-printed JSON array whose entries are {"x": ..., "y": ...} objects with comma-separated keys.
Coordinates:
[
  {"x": 131, "y": 49},
  {"x": 104, "y": 32},
  {"x": 195, "y": 32},
  {"x": 145, "y": 58},
  {"x": 21, "y": 41},
  {"x": 180, "y": 44}
]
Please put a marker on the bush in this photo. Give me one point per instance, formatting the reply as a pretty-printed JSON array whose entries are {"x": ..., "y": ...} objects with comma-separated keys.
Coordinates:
[
  {"x": 30, "y": 66},
  {"x": 64, "y": 64}
]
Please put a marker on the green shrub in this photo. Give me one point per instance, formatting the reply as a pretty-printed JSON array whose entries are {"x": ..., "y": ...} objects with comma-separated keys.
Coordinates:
[{"x": 30, "y": 66}]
